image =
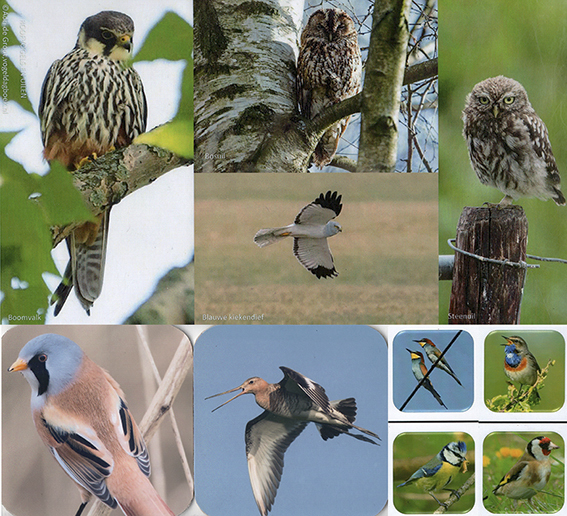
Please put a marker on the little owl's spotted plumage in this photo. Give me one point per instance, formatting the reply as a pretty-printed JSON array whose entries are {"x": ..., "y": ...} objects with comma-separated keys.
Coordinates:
[
  {"x": 329, "y": 70},
  {"x": 508, "y": 143}
]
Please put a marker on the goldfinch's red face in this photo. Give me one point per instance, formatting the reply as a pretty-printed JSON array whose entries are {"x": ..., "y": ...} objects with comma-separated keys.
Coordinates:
[{"x": 541, "y": 447}]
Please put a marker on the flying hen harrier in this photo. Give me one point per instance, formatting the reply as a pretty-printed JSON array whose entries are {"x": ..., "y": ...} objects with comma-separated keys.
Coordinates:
[{"x": 313, "y": 224}]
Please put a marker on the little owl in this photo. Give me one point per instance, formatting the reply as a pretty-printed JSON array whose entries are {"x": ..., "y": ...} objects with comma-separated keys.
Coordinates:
[
  {"x": 508, "y": 143},
  {"x": 329, "y": 70}
]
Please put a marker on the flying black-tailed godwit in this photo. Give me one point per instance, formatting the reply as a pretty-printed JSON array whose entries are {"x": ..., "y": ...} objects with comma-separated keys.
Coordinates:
[{"x": 289, "y": 406}]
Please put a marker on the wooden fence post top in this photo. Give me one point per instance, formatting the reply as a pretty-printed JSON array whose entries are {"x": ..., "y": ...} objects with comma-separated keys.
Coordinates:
[{"x": 485, "y": 292}]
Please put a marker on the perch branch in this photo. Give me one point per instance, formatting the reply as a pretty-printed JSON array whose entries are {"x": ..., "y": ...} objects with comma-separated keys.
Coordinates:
[
  {"x": 302, "y": 136},
  {"x": 421, "y": 71},
  {"x": 456, "y": 495},
  {"x": 108, "y": 179},
  {"x": 350, "y": 106},
  {"x": 142, "y": 332}
]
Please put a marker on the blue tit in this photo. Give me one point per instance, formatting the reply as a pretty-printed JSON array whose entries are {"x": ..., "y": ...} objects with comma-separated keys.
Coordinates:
[{"x": 438, "y": 473}]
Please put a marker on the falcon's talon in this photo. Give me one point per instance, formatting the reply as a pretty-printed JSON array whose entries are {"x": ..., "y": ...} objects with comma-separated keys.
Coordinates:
[{"x": 87, "y": 159}]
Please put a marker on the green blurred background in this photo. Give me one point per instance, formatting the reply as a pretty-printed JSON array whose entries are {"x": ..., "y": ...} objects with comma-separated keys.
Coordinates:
[
  {"x": 413, "y": 450},
  {"x": 544, "y": 345},
  {"x": 500, "y": 451},
  {"x": 525, "y": 40}
]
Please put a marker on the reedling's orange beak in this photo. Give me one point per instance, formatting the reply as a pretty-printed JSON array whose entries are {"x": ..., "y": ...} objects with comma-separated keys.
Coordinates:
[{"x": 18, "y": 365}]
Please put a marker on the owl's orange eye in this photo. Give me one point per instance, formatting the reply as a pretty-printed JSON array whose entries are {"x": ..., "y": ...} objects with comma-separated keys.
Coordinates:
[
  {"x": 509, "y": 100},
  {"x": 483, "y": 100}
]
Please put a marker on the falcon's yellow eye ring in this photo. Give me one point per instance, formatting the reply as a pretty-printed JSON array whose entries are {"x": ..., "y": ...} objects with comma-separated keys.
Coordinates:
[
  {"x": 106, "y": 34},
  {"x": 484, "y": 100},
  {"x": 509, "y": 100}
]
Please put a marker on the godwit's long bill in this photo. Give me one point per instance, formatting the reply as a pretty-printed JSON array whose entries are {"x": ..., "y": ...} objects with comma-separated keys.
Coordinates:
[{"x": 288, "y": 406}]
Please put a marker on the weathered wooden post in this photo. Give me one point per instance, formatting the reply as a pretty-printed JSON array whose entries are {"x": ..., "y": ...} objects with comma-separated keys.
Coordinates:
[{"x": 485, "y": 292}]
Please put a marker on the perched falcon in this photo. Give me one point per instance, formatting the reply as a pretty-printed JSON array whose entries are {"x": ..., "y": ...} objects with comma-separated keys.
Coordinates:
[
  {"x": 91, "y": 103},
  {"x": 310, "y": 230}
]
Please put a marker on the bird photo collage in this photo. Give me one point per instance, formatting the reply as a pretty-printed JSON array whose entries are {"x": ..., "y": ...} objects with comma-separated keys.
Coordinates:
[{"x": 340, "y": 207}]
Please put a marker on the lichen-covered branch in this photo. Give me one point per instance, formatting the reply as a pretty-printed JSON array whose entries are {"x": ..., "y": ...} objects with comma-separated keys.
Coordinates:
[
  {"x": 105, "y": 181},
  {"x": 172, "y": 302},
  {"x": 382, "y": 86}
]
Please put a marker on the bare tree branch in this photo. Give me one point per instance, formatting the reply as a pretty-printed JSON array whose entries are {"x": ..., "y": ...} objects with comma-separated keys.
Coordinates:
[
  {"x": 344, "y": 162},
  {"x": 456, "y": 495},
  {"x": 421, "y": 71}
]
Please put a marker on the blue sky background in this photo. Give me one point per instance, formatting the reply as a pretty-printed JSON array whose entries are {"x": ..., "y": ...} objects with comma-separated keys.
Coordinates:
[
  {"x": 459, "y": 357},
  {"x": 335, "y": 477}
]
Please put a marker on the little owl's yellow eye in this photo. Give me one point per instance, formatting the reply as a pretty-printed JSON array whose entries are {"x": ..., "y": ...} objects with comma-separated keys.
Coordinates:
[
  {"x": 483, "y": 100},
  {"x": 509, "y": 100}
]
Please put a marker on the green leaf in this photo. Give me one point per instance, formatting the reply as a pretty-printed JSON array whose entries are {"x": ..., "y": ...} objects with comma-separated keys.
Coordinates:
[
  {"x": 175, "y": 136},
  {"x": 30, "y": 205},
  {"x": 171, "y": 38},
  {"x": 59, "y": 200},
  {"x": 185, "y": 109},
  {"x": 26, "y": 246}
]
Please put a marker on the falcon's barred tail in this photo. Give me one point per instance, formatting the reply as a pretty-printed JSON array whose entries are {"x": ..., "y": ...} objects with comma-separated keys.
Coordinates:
[
  {"x": 88, "y": 268},
  {"x": 64, "y": 289},
  {"x": 85, "y": 270},
  {"x": 269, "y": 236}
]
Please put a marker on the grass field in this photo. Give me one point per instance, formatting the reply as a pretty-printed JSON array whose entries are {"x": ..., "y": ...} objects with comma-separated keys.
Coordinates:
[{"x": 386, "y": 255}]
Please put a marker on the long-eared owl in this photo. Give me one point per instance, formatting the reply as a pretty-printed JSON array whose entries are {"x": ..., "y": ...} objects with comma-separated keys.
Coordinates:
[
  {"x": 329, "y": 70},
  {"x": 509, "y": 148}
]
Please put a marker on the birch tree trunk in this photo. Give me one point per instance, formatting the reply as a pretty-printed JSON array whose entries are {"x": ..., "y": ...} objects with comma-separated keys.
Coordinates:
[
  {"x": 246, "y": 117},
  {"x": 245, "y": 55},
  {"x": 383, "y": 86}
]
